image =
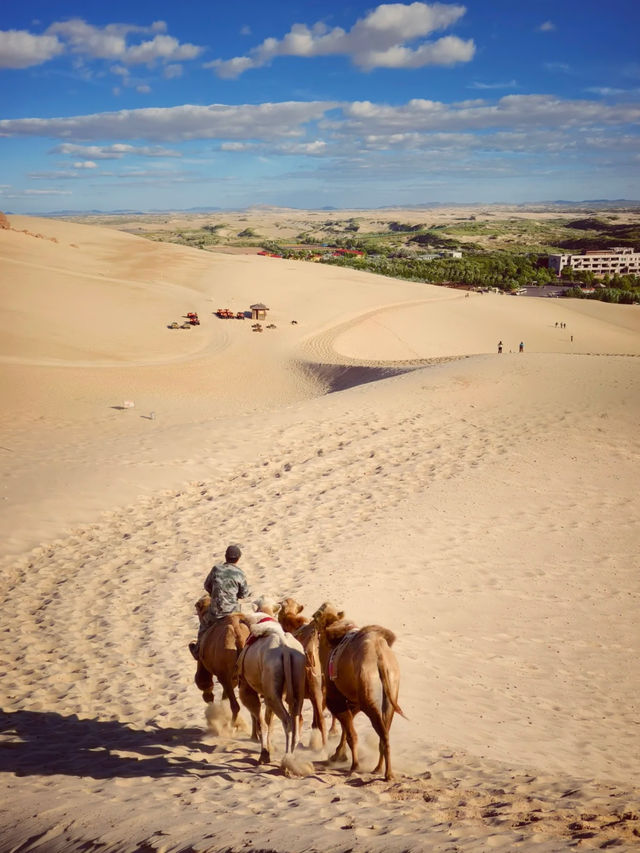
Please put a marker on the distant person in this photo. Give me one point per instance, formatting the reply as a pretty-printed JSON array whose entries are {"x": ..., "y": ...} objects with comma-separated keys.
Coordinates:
[
  {"x": 521, "y": 347},
  {"x": 226, "y": 583},
  {"x": 499, "y": 346},
  {"x": 571, "y": 338}
]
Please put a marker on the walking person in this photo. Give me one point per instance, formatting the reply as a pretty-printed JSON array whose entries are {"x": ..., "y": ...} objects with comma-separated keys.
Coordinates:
[
  {"x": 521, "y": 347},
  {"x": 499, "y": 346}
]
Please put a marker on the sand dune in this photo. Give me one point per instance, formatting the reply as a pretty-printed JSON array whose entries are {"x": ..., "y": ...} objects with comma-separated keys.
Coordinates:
[{"x": 480, "y": 506}]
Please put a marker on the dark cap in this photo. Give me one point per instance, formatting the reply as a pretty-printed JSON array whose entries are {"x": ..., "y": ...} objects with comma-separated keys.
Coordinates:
[{"x": 232, "y": 554}]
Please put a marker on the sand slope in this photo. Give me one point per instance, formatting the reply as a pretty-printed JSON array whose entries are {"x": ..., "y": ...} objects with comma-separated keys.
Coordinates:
[{"x": 482, "y": 508}]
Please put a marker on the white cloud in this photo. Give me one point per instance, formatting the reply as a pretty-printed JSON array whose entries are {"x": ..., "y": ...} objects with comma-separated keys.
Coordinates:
[
  {"x": 59, "y": 174},
  {"x": 85, "y": 164},
  {"x": 608, "y": 91},
  {"x": 216, "y": 121},
  {"x": 546, "y": 27},
  {"x": 108, "y": 42},
  {"x": 444, "y": 51},
  {"x": 378, "y": 40},
  {"x": 20, "y": 49},
  {"x": 171, "y": 71},
  {"x": 143, "y": 89},
  {"x": 162, "y": 47},
  {"x": 515, "y": 124},
  {"x": 618, "y": 143},
  {"x": 557, "y": 66},
  {"x": 510, "y": 84},
  {"x": 43, "y": 192},
  {"x": 123, "y": 43},
  {"x": 113, "y": 152}
]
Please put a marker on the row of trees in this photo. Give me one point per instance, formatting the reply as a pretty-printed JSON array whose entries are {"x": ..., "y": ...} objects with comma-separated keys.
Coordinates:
[
  {"x": 505, "y": 272},
  {"x": 617, "y": 281},
  {"x": 607, "y": 294}
]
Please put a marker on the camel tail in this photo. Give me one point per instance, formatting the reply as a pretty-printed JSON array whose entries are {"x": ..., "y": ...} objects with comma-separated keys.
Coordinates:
[
  {"x": 383, "y": 671},
  {"x": 295, "y": 701}
]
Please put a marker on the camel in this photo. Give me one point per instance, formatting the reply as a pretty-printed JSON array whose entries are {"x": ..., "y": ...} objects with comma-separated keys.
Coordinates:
[
  {"x": 306, "y": 631},
  {"x": 218, "y": 656},
  {"x": 271, "y": 667},
  {"x": 361, "y": 674}
]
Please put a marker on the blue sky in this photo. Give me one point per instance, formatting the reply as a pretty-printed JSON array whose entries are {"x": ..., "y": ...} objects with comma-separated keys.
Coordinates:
[{"x": 164, "y": 105}]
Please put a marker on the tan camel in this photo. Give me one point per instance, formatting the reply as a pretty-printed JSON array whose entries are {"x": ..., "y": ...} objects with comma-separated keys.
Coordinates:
[
  {"x": 306, "y": 631},
  {"x": 361, "y": 674},
  {"x": 271, "y": 666},
  {"x": 220, "y": 647}
]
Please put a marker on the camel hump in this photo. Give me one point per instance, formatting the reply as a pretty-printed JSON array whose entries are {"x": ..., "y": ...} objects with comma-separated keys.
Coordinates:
[
  {"x": 336, "y": 633},
  {"x": 388, "y": 635}
]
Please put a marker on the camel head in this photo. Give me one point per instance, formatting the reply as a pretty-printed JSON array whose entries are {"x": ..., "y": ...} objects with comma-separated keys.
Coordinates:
[
  {"x": 326, "y": 615},
  {"x": 262, "y": 621},
  {"x": 266, "y": 605},
  {"x": 202, "y": 605},
  {"x": 289, "y": 615}
]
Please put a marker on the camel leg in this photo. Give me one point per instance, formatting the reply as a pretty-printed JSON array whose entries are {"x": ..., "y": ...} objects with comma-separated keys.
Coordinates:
[
  {"x": 268, "y": 716},
  {"x": 251, "y": 701},
  {"x": 315, "y": 697},
  {"x": 346, "y": 720},
  {"x": 295, "y": 704},
  {"x": 341, "y": 750},
  {"x": 204, "y": 681},
  {"x": 230, "y": 694},
  {"x": 275, "y": 706},
  {"x": 295, "y": 730},
  {"x": 349, "y": 737},
  {"x": 381, "y": 725},
  {"x": 264, "y": 728}
]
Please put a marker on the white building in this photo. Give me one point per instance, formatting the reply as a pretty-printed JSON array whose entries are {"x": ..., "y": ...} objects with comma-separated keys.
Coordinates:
[{"x": 619, "y": 259}]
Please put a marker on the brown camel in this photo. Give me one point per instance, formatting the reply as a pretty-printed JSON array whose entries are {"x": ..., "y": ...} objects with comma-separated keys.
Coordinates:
[
  {"x": 219, "y": 650},
  {"x": 361, "y": 674},
  {"x": 306, "y": 631}
]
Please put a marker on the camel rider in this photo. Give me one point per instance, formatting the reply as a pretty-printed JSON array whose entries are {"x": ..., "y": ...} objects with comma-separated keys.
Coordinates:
[{"x": 226, "y": 583}]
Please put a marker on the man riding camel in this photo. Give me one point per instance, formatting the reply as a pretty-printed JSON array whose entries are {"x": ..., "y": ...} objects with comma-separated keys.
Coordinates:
[{"x": 226, "y": 583}]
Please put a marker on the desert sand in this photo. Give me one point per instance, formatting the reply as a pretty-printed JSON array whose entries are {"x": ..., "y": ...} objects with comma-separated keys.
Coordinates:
[{"x": 481, "y": 506}]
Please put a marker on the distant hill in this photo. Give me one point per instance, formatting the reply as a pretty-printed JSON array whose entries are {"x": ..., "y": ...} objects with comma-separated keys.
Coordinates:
[{"x": 618, "y": 203}]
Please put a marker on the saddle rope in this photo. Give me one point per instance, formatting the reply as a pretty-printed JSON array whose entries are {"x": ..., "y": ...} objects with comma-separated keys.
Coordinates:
[{"x": 334, "y": 657}]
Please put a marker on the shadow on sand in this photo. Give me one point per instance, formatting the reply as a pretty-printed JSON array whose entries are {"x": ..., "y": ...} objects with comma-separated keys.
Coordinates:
[
  {"x": 339, "y": 377},
  {"x": 46, "y": 743}
]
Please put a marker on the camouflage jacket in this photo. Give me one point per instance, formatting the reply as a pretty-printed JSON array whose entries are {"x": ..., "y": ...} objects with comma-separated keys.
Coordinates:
[{"x": 225, "y": 583}]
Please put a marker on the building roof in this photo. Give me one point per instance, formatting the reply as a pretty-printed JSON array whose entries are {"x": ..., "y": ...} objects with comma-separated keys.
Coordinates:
[{"x": 259, "y": 306}]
